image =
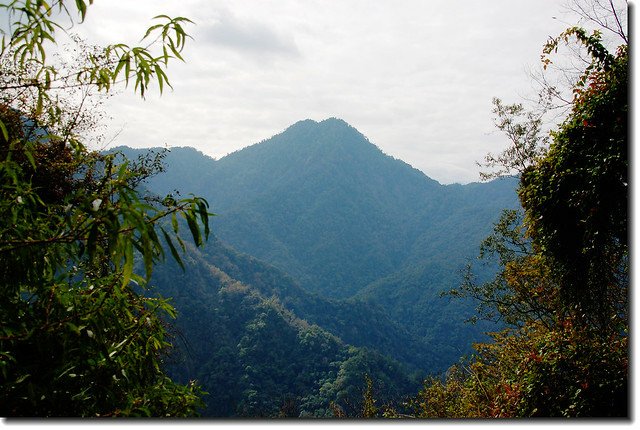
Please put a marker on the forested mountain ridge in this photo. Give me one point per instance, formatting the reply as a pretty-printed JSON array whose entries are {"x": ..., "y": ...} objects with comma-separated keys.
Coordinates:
[
  {"x": 354, "y": 321},
  {"x": 256, "y": 342},
  {"x": 367, "y": 241},
  {"x": 325, "y": 205}
]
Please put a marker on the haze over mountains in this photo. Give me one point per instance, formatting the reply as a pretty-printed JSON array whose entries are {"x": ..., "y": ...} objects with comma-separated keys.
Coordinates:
[
  {"x": 338, "y": 235},
  {"x": 324, "y": 204}
]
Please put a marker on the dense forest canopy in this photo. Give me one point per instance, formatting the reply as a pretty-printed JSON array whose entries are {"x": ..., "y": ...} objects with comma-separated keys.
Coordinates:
[
  {"x": 337, "y": 279},
  {"x": 353, "y": 225}
]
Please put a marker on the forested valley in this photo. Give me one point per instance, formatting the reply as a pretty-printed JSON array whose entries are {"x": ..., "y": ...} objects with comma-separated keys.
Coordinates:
[{"x": 309, "y": 275}]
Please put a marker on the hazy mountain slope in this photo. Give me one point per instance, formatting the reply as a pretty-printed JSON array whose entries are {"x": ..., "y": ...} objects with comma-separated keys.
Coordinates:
[
  {"x": 344, "y": 220},
  {"x": 412, "y": 297},
  {"x": 354, "y": 321},
  {"x": 255, "y": 357},
  {"x": 322, "y": 203}
]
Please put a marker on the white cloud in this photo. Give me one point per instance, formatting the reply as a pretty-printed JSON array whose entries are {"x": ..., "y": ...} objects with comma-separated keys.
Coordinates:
[{"x": 250, "y": 37}]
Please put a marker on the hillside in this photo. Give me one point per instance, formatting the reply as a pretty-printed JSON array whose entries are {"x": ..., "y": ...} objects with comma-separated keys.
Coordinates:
[
  {"x": 367, "y": 242},
  {"x": 354, "y": 321},
  {"x": 236, "y": 333},
  {"x": 325, "y": 205}
]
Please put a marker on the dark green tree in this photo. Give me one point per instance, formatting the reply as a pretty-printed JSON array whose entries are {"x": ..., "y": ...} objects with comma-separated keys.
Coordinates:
[
  {"x": 576, "y": 197},
  {"x": 79, "y": 333},
  {"x": 563, "y": 283}
]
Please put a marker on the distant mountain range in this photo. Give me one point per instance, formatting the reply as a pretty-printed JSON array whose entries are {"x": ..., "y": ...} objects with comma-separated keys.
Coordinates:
[{"x": 340, "y": 236}]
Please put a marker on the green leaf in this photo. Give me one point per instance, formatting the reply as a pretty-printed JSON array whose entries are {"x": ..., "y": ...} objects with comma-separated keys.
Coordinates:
[
  {"x": 161, "y": 77},
  {"x": 128, "y": 263},
  {"x": 173, "y": 250},
  {"x": 174, "y": 222},
  {"x": 82, "y": 8},
  {"x": 5, "y": 133},
  {"x": 204, "y": 215},
  {"x": 193, "y": 226},
  {"x": 151, "y": 29},
  {"x": 22, "y": 378},
  {"x": 147, "y": 255},
  {"x": 74, "y": 328}
]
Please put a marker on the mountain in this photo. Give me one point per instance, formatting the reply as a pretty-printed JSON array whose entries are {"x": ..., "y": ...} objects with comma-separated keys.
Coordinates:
[
  {"x": 354, "y": 321},
  {"x": 325, "y": 205},
  {"x": 236, "y": 333},
  {"x": 317, "y": 227}
]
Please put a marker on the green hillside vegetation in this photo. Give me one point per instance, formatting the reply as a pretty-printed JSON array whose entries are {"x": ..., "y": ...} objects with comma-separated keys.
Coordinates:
[
  {"x": 354, "y": 321},
  {"x": 76, "y": 338},
  {"x": 257, "y": 358},
  {"x": 325, "y": 205},
  {"x": 348, "y": 223}
]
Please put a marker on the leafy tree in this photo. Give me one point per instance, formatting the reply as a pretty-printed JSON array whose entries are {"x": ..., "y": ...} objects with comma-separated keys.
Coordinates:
[
  {"x": 369, "y": 408},
  {"x": 523, "y": 290},
  {"x": 563, "y": 286},
  {"x": 79, "y": 334},
  {"x": 576, "y": 197},
  {"x": 524, "y": 129},
  {"x": 534, "y": 371}
]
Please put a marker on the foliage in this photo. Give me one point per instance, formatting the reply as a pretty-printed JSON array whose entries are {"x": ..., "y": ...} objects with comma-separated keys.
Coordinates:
[
  {"x": 576, "y": 198},
  {"x": 342, "y": 214},
  {"x": 369, "y": 408},
  {"x": 523, "y": 290},
  {"x": 237, "y": 334},
  {"x": 34, "y": 26},
  {"x": 67, "y": 277},
  {"x": 78, "y": 337},
  {"x": 563, "y": 286},
  {"x": 533, "y": 372},
  {"x": 354, "y": 321},
  {"x": 524, "y": 131}
]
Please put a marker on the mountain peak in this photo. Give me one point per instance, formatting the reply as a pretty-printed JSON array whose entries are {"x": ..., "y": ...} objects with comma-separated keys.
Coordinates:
[
  {"x": 328, "y": 123},
  {"x": 335, "y": 121},
  {"x": 331, "y": 132},
  {"x": 304, "y": 123}
]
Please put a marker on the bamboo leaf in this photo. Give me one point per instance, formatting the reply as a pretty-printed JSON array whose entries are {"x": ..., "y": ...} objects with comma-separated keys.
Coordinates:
[
  {"x": 193, "y": 226},
  {"x": 82, "y": 8},
  {"x": 151, "y": 29},
  {"x": 204, "y": 215},
  {"x": 147, "y": 255},
  {"x": 128, "y": 263},
  {"x": 173, "y": 250},
  {"x": 5, "y": 133},
  {"x": 161, "y": 77},
  {"x": 174, "y": 222}
]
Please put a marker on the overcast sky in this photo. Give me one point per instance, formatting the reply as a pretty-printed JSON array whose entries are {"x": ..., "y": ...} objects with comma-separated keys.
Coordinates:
[{"x": 416, "y": 77}]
